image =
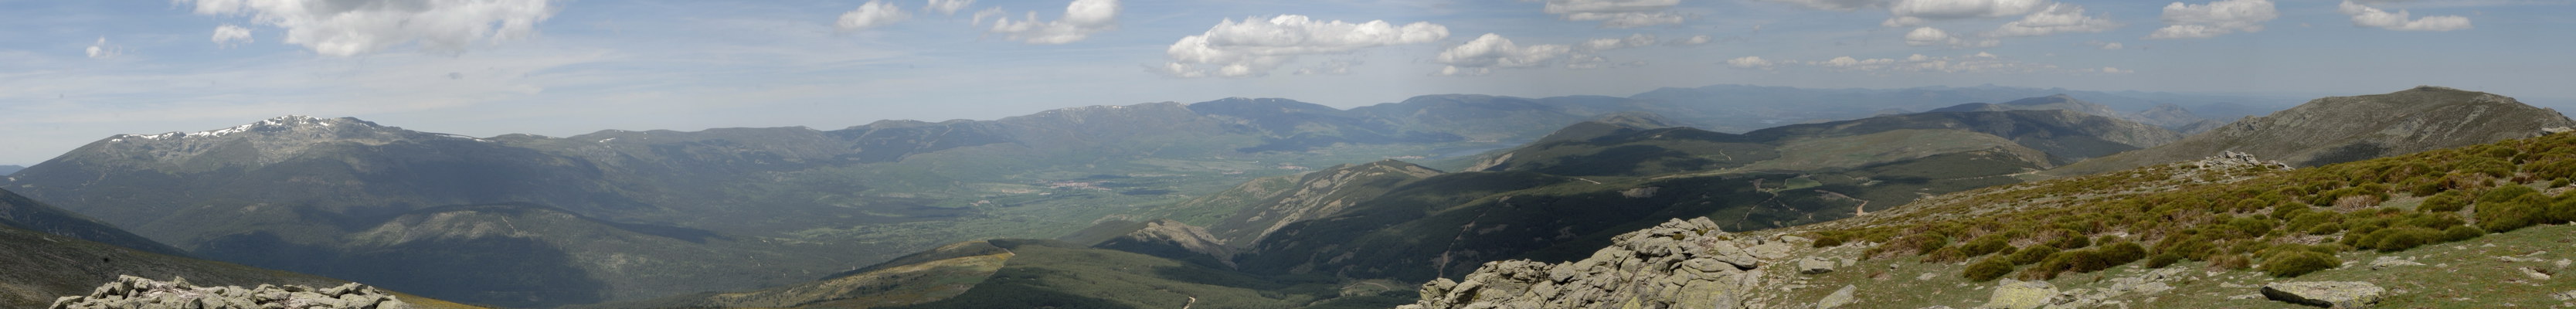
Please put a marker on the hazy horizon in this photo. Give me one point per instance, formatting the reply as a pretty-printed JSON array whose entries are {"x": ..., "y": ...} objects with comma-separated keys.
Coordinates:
[{"x": 95, "y": 69}]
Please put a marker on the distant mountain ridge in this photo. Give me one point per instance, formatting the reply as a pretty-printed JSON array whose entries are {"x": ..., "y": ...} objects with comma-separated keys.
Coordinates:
[
  {"x": 318, "y": 183},
  {"x": 2351, "y": 128},
  {"x": 5, "y": 170}
]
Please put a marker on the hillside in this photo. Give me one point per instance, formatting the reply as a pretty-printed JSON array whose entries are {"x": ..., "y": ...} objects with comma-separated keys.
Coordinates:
[
  {"x": 5, "y": 170},
  {"x": 21, "y": 212},
  {"x": 2344, "y": 129},
  {"x": 36, "y": 268},
  {"x": 1549, "y": 198},
  {"x": 2475, "y": 226}
]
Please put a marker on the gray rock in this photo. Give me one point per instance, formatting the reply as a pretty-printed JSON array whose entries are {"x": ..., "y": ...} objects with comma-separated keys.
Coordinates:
[
  {"x": 1815, "y": 266},
  {"x": 2333, "y": 294},
  {"x": 2386, "y": 262},
  {"x": 137, "y": 292},
  {"x": 1838, "y": 299},
  {"x": 2016, "y": 294}
]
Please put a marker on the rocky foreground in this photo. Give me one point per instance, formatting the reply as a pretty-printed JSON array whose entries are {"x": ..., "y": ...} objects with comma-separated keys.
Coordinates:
[
  {"x": 138, "y": 292},
  {"x": 1692, "y": 264}
]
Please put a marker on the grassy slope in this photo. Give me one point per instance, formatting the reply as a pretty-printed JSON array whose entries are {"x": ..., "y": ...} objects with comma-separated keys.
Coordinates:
[{"x": 1898, "y": 269}]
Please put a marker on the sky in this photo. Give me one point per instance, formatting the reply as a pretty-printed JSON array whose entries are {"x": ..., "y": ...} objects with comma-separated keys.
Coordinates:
[{"x": 73, "y": 72}]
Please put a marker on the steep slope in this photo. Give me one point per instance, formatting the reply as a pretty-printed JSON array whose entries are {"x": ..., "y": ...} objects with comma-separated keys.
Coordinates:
[
  {"x": 24, "y": 213},
  {"x": 2344, "y": 129},
  {"x": 2470, "y": 227},
  {"x": 2068, "y": 135},
  {"x": 1552, "y": 200},
  {"x": 1312, "y": 195},
  {"x": 521, "y": 255}
]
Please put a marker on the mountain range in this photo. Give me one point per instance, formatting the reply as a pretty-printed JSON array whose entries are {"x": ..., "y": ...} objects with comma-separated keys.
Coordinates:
[
  {"x": 1367, "y": 224},
  {"x": 527, "y": 220}
]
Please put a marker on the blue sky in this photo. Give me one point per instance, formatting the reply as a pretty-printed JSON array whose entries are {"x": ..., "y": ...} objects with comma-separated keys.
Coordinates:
[{"x": 72, "y": 72}]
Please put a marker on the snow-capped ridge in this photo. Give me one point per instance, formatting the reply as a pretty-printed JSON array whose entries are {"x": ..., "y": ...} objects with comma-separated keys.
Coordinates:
[{"x": 281, "y": 123}]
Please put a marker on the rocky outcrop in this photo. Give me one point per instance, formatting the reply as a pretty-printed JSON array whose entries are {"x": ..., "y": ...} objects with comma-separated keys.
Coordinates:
[
  {"x": 1679, "y": 264},
  {"x": 2331, "y": 294},
  {"x": 137, "y": 292}
]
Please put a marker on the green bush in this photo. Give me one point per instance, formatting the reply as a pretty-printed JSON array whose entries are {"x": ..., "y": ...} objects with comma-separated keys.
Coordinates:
[
  {"x": 2447, "y": 201},
  {"x": 2399, "y": 238},
  {"x": 2461, "y": 232},
  {"x": 2506, "y": 216},
  {"x": 1990, "y": 243},
  {"x": 2298, "y": 262},
  {"x": 2032, "y": 254},
  {"x": 2122, "y": 253},
  {"x": 1987, "y": 270},
  {"x": 2164, "y": 259}
]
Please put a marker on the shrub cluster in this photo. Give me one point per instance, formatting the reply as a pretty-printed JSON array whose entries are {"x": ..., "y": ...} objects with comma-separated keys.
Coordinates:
[{"x": 2464, "y": 192}]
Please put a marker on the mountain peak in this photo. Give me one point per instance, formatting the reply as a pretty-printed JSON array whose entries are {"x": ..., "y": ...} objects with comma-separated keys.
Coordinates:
[{"x": 278, "y": 124}]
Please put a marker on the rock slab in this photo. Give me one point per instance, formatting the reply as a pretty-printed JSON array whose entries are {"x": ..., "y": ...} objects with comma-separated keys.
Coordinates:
[{"x": 2330, "y": 294}]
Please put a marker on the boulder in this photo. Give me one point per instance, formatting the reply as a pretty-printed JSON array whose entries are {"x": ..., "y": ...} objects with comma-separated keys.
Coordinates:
[
  {"x": 1838, "y": 299},
  {"x": 2016, "y": 294},
  {"x": 1815, "y": 266},
  {"x": 2331, "y": 294}
]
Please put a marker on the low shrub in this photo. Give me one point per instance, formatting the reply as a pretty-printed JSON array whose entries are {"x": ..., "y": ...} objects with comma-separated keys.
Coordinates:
[
  {"x": 2298, "y": 262},
  {"x": 2447, "y": 201},
  {"x": 1987, "y": 270},
  {"x": 1990, "y": 243},
  {"x": 2032, "y": 254},
  {"x": 2163, "y": 259}
]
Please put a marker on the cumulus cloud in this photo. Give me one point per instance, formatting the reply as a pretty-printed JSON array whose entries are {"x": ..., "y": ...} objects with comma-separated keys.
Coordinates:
[
  {"x": 1906, "y": 13},
  {"x": 1617, "y": 13},
  {"x": 1749, "y": 62},
  {"x": 1082, "y": 18},
  {"x": 2186, "y": 21},
  {"x": 226, "y": 34},
  {"x": 2057, "y": 18},
  {"x": 101, "y": 50},
  {"x": 1929, "y": 36},
  {"x": 348, "y": 28},
  {"x": 2367, "y": 16},
  {"x": 871, "y": 15},
  {"x": 2106, "y": 45},
  {"x": 2112, "y": 70},
  {"x": 1255, "y": 46},
  {"x": 1632, "y": 41},
  {"x": 946, "y": 7},
  {"x": 1691, "y": 41},
  {"x": 1493, "y": 51}
]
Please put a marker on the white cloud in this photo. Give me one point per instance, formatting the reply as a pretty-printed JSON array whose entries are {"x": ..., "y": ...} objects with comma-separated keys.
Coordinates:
[
  {"x": 1980, "y": 62},
  {"x": 1691, "y": 41},
  {"x": 2366, "y": 16},
  {"x": 1632, "y": 41},
  {"x": 2112, "y": 70},
  {"x": 946, "y": 7},
  {"x": 1916, "y": 12},
  {"x": 2185, "y": 21},
  {"x": 1255, "y": 46},
  {"x": 2107, "y": 45},
  {"x": 1749, "y": 62},
  {"x": 1617, "y": 13},
  {"x": 1929, "y": 36},
  {"x": 348, "y": 28},
  {"x": 226, "y": 34},
  {"x": 1837, "y": 5},
  {"x": 1082, "y": 18},
  {"x": 871, "y": 15},
  {"x": 1493, "y": 51},
  {"x": 101, "y": 50},
  {"x": 2057, "y": 18}
]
